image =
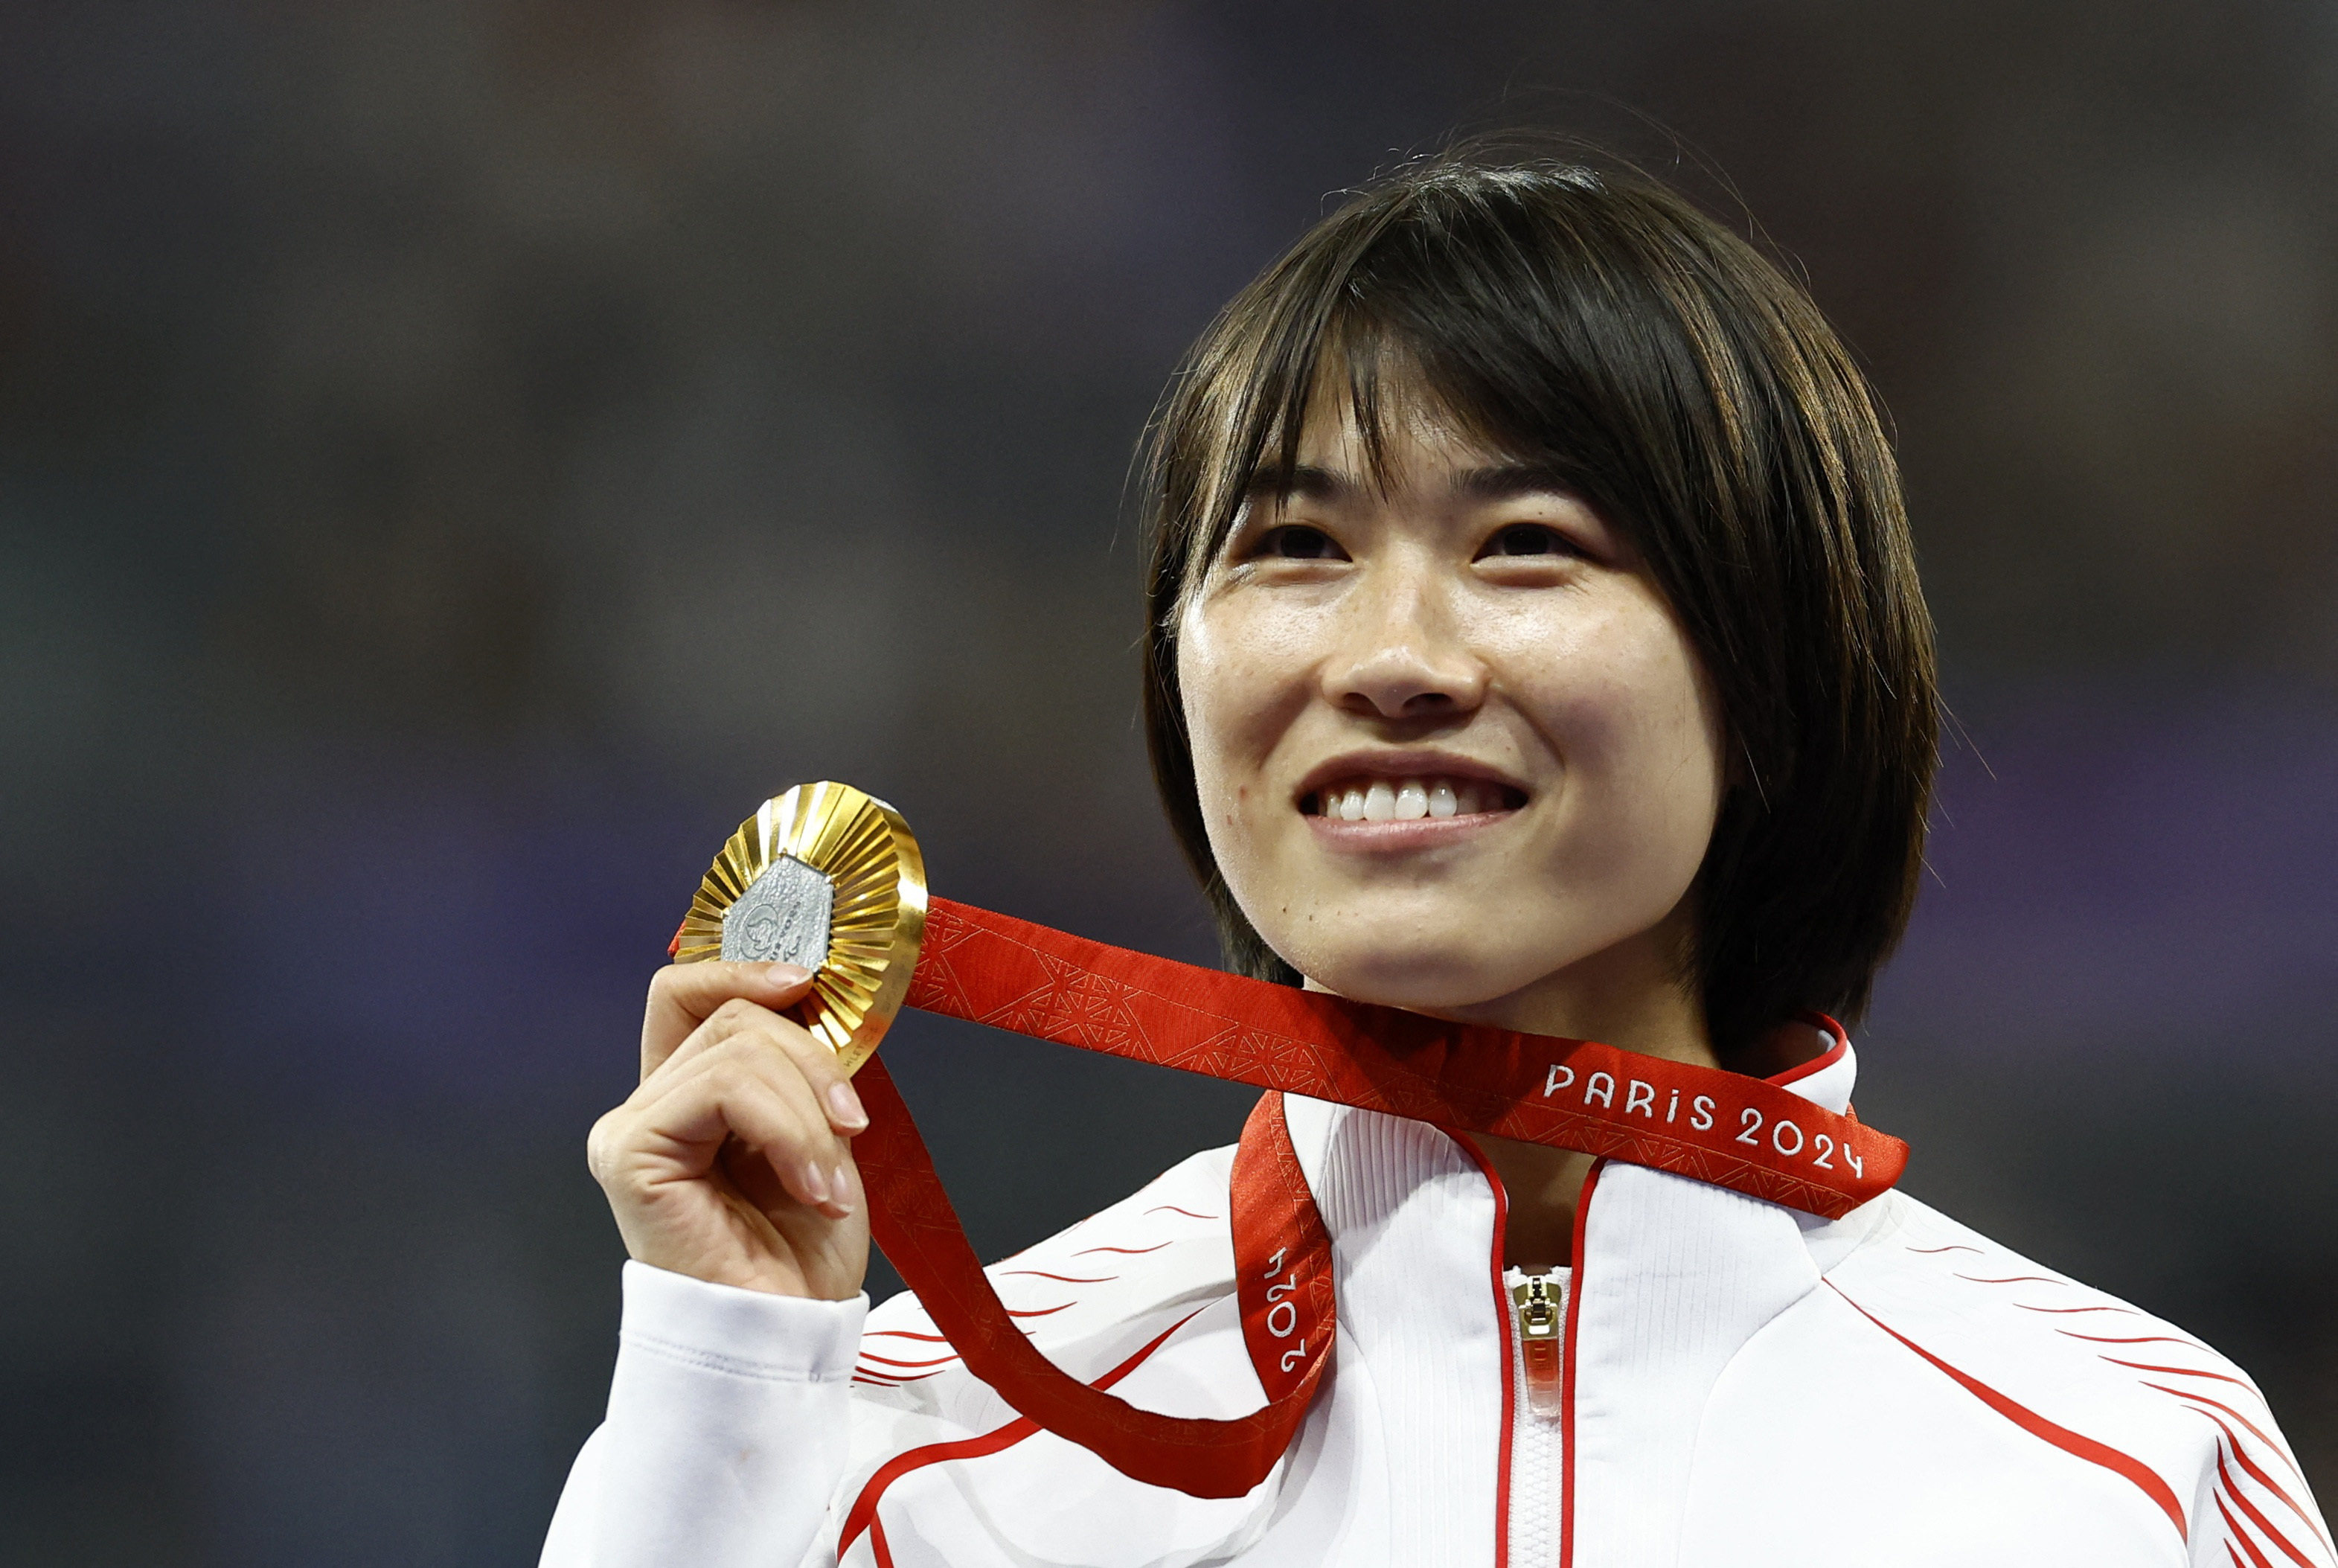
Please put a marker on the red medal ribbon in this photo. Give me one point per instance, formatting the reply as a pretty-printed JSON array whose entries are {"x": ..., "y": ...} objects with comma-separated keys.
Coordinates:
[{"x": 1751, "y": 1136}]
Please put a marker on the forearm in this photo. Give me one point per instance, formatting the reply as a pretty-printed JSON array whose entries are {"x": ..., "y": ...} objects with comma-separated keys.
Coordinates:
[{"x": 726, "y": 1431}]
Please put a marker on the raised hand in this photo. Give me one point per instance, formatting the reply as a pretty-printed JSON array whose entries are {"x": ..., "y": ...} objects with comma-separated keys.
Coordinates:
[{"x": 731, "y": 1163}]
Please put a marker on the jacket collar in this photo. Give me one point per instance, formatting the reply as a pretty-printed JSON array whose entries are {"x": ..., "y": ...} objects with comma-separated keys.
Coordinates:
[{"x": 1673, "y": 1276}]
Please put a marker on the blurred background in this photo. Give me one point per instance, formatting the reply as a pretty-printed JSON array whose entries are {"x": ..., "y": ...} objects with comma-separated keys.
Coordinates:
[{"x": 456, "y": 458}]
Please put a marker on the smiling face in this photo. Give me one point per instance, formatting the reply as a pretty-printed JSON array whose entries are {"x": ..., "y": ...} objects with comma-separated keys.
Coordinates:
[{"x": 1453, "y": 751}]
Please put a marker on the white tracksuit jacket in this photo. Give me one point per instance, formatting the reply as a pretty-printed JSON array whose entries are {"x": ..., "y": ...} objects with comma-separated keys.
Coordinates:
[{"x": 1753, "y": 1387}]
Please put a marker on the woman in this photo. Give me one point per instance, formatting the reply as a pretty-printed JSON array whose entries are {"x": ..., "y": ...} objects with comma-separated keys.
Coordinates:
[{"x": 1535, "y": 641}]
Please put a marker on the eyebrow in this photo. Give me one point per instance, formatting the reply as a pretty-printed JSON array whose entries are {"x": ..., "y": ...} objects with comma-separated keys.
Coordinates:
[
  {"x": 1303, "y": 482},
  {"x": 1493, "y": 482},
  {"x": 1506, "y": 481}
]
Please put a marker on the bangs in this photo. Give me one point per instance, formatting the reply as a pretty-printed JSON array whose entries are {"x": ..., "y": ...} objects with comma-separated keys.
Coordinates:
[{"x": 1453, "y": 305}]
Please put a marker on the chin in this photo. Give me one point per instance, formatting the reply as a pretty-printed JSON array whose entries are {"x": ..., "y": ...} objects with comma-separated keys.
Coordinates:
[{"x": 1420, "y": 978}]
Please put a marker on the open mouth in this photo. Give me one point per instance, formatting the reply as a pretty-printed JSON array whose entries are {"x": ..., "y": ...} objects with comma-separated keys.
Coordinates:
[{"x": 1409, "y": 799}]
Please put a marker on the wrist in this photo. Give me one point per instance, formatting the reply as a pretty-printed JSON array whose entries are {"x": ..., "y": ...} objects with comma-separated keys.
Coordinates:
[{"x": 825, "y": 1273}]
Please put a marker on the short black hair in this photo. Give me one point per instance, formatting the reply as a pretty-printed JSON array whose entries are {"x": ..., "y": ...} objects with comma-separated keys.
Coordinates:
[{"x": 1583, "y": 317}]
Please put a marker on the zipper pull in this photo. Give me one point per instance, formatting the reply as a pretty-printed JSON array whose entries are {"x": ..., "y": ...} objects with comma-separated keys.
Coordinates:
[{"x": 1541, "y": 1324}]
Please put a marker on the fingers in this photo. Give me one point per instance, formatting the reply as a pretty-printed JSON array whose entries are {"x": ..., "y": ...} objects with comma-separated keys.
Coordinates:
[
  {"x": 719, "y": 1063},
  {"x": 744, "y": 1087},
  {"x": 751, "y": 1172},
  {"x": 682, "y": 996},
  {"x": 822, "y": 1072},
  {"x": 741, "y": 1020}
]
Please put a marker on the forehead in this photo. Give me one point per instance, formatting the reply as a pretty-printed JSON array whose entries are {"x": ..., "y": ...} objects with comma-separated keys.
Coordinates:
[
  {"x": 1411, "y": 444},
  {"x": 1369, "y": 416},
  {"x": 1372, "y": 419},
  {"x": 1406, "y": 429}
]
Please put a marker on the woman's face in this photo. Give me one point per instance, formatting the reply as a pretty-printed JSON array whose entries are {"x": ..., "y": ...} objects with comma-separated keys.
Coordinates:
[{"x": 1453, "y": 750}]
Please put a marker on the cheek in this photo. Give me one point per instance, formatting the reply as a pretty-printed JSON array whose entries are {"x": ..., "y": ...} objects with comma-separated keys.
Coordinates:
[
  {"x": 1673, "y": 756},
  {"x": 1632, "y": 715},
  {"x": 1204, "y": 687},
  {"x": 1227, "y": 676}
]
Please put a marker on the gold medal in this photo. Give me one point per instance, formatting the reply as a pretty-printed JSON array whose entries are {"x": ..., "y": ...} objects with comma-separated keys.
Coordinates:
[{"x": 829, "y": 878}]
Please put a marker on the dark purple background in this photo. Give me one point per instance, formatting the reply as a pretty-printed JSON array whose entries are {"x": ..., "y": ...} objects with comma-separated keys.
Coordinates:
[{"x": 455, "y": 460}]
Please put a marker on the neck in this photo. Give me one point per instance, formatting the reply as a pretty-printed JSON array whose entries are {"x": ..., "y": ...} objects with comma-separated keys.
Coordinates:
[{"x": 1631, "y": 996}]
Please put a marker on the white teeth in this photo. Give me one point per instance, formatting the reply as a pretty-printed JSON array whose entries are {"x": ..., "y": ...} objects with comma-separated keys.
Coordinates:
[{"x": 1410, "y": 800}]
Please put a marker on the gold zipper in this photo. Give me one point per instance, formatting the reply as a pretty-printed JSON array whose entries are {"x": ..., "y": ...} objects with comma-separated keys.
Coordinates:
[{"x": 1542, "y": 1315}]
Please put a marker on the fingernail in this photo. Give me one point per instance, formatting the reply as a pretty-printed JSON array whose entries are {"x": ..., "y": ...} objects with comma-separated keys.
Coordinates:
[
  {"x": 843, "y": 1190},
  {"x": 786, "y": 974},
  {"x": 847, "y": 1105},
  {"x": 815, "y": 1183}
]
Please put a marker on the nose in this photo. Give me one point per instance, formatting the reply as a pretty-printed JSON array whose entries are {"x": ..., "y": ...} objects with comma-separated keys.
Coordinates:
[{"x": 1400, "y": 652}]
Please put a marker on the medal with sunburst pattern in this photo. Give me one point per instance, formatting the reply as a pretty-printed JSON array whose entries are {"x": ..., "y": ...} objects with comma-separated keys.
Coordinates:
[{"x": 829, "y": 878}]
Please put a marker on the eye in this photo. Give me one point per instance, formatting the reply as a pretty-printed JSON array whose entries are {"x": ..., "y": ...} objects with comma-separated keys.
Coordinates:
[
  {"x": 1529, "y": 539},
  {"x": 1298, "y": 542}
]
